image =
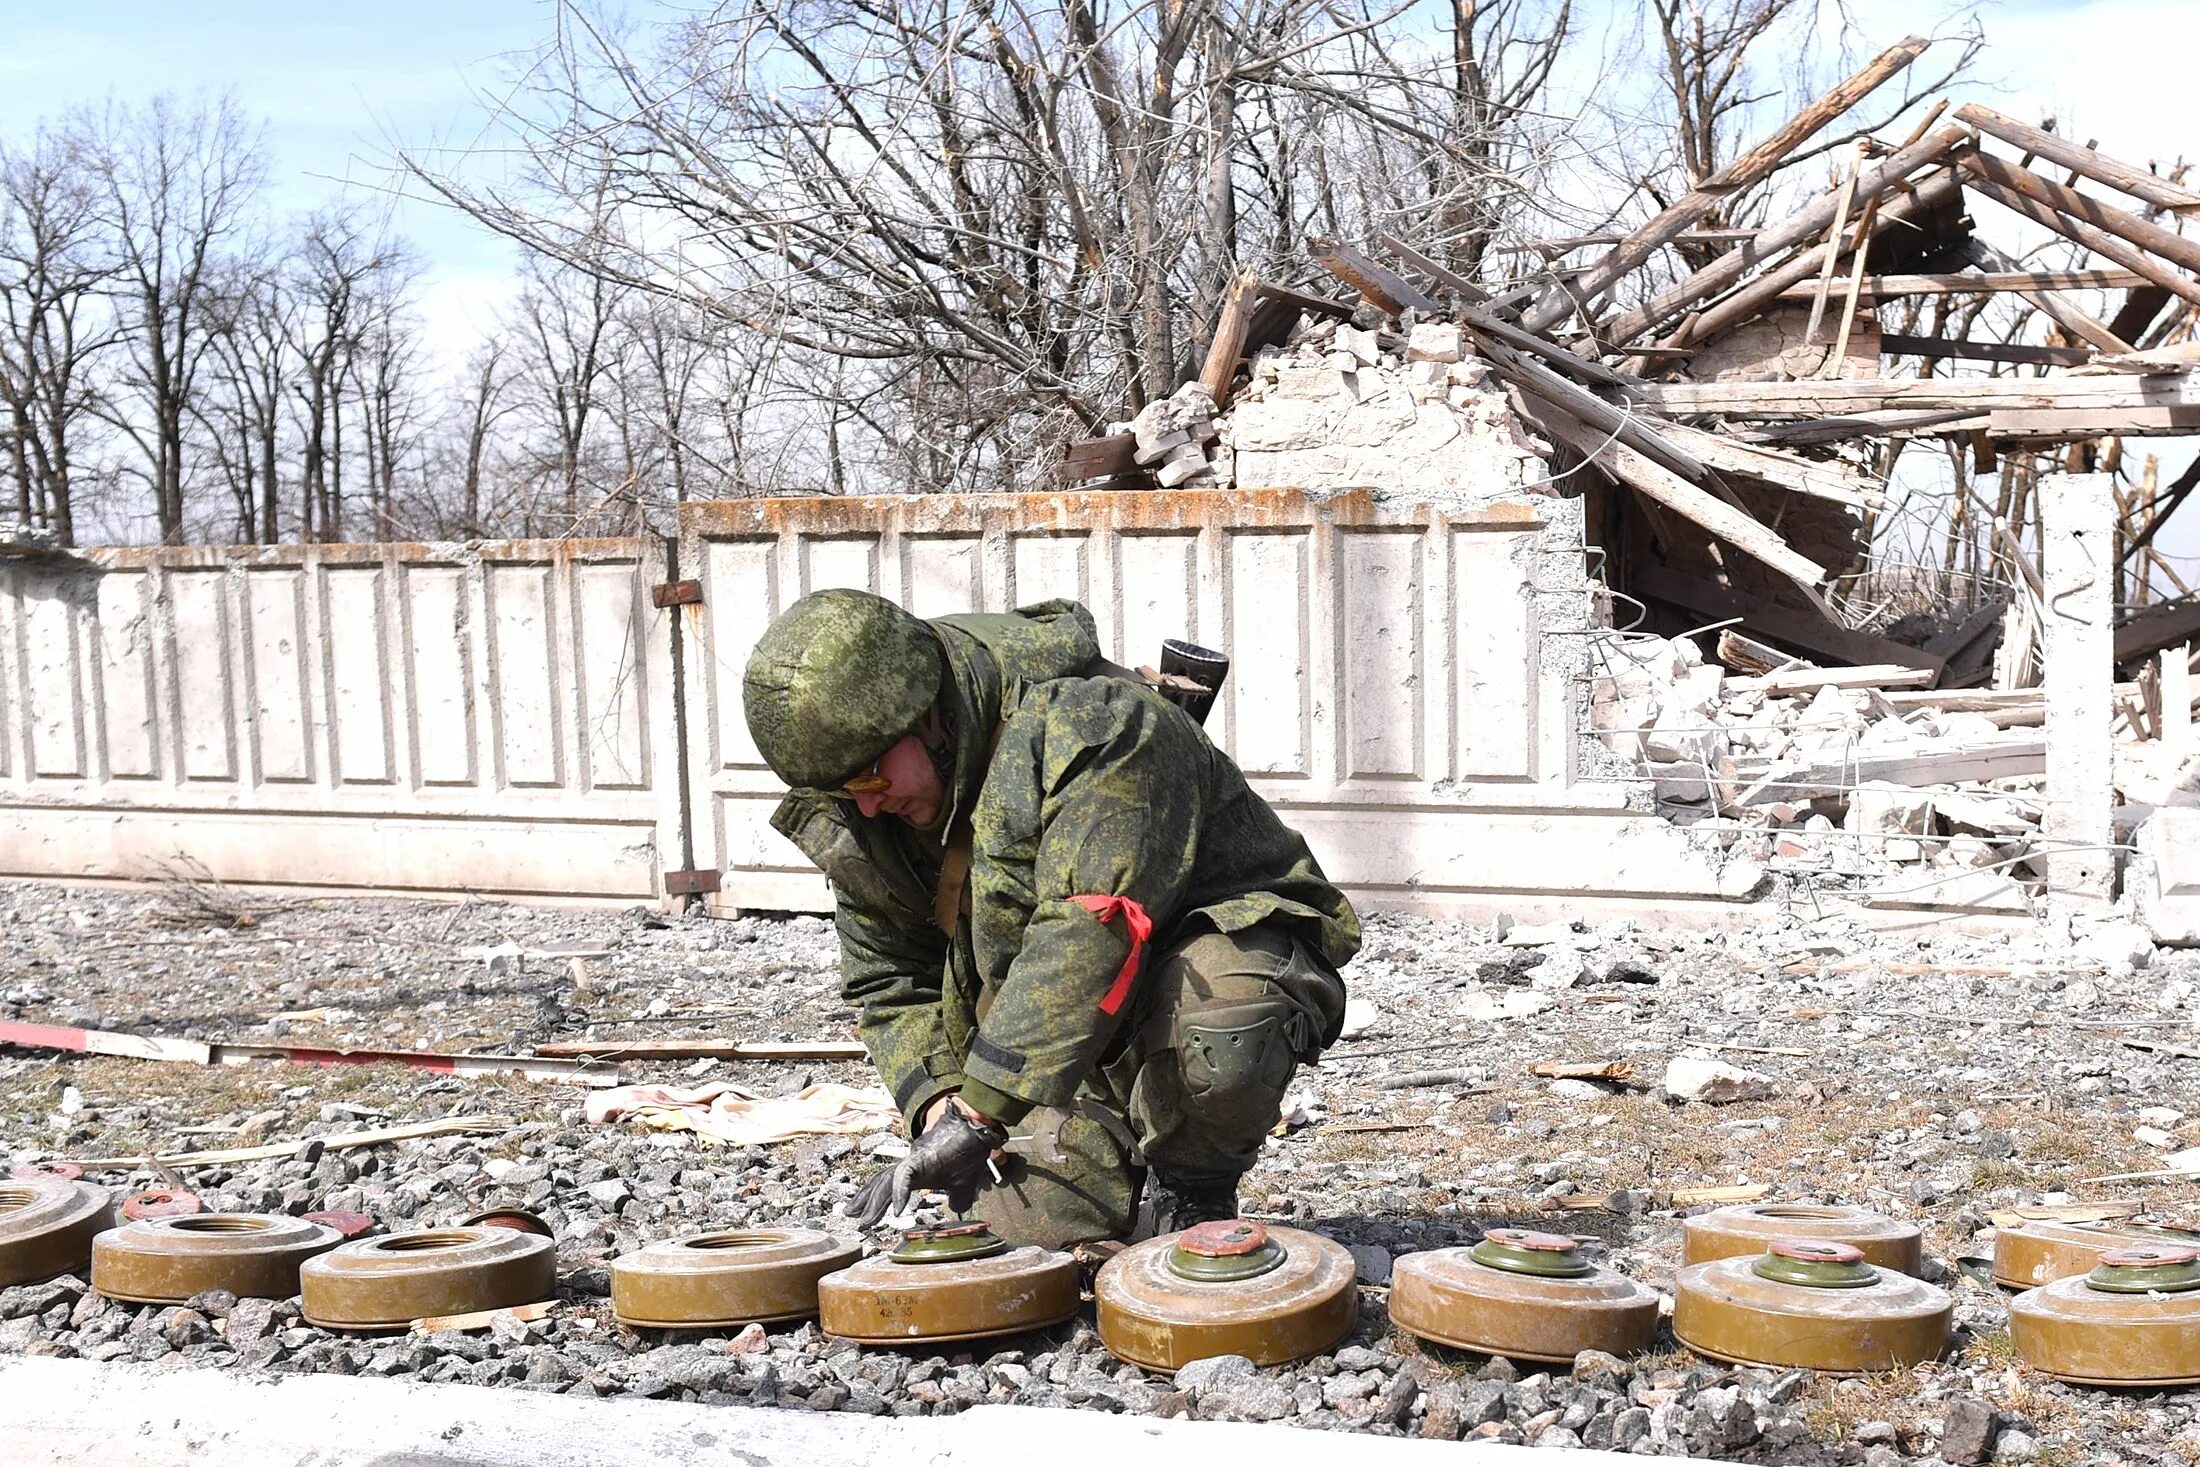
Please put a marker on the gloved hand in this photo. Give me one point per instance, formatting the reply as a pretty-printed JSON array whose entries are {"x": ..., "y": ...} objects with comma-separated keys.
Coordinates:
[{"x": 949, "y": 1157}]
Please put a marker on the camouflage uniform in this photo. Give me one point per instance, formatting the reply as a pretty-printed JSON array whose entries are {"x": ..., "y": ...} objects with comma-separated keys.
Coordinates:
[{"x": 1072, "y": 787}]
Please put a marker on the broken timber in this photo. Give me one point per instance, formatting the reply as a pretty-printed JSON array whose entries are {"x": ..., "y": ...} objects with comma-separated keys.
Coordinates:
[
  {"x": 1944, "y": 763},
  {"x": 1894, "y": 287},
  {"x": 224, "y": 1052},
  {"x": 1807, "y": 224},
  {"x": 2108, "y": 393},
  {"x": 1778, "y": 622},
  {"x": 1752, "y": 167}
]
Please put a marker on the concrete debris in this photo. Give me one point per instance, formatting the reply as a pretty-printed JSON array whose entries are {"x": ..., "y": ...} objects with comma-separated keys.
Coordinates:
[
  {"x": 1513, "y": 1003},
  {"x": 1360, "y": 1017},
  {"x": 2163, "y": 878},
  {"x": 1695, "y": 1075},
  {"x": 2186, "y": 1161},
  {"x": 1412, "y": 418},
  {"x": 17, "y": 538},
  {"x": 1838, "y": 786},
  {"x": 1540, "y": 934},
  {"x": 1172, "y": 435}
]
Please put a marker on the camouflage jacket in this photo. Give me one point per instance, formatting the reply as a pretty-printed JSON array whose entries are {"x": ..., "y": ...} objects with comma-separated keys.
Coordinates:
[{"x": 1094, "y": 786}]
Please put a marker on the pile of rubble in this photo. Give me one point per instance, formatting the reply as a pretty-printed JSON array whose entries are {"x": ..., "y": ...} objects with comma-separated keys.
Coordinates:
[
  {"x": 1823, "y": 772},
  {"x": 1412, "y": 413}
]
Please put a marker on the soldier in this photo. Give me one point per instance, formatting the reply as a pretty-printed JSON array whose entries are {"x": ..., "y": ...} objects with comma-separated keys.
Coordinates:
[{"x": 1060, "y": 910}]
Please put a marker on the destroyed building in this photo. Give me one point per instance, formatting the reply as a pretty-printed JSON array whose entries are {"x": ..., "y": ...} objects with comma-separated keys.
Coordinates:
[{"x": 1731, "y": 440}]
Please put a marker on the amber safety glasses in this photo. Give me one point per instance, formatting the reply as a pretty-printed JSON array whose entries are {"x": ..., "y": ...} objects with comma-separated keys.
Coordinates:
[{"x": 870, "y": 782}]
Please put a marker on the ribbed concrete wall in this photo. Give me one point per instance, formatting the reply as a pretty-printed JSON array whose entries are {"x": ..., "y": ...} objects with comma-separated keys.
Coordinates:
[
  {"x": 1407, "y": 686},
  {"x": 494, "y": 718}
]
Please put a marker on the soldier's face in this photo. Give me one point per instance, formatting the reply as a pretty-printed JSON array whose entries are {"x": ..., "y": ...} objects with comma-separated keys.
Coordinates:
[{"x": 915, "y": 794}]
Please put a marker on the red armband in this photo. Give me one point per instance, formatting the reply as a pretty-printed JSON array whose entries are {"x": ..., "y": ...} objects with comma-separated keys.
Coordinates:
[{"x": 1141, "y": 928}]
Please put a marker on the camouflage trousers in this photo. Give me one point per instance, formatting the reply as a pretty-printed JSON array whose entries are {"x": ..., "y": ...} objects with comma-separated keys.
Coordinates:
[{"x": 1191, "y": 1087}]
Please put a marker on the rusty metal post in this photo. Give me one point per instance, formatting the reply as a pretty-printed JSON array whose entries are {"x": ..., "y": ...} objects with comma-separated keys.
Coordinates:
[{"x": 2079, "y": 519}]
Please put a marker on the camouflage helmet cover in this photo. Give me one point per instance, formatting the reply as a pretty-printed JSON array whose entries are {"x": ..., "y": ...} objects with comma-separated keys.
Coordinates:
[{"x": 835, "y": 682}]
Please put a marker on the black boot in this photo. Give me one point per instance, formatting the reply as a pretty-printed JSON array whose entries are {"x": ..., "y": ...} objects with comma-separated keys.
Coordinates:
[{"x": 1168, "y": 1207}]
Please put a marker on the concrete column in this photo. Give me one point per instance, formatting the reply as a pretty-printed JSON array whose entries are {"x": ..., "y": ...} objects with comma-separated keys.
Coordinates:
[
  {"x": 2175, "y": 685},
  {"x": 2078, "y": 513}
]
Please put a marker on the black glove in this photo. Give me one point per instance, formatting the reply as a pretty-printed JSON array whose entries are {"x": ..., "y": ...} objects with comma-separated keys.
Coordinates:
[{"x": 949, "y": 1157}]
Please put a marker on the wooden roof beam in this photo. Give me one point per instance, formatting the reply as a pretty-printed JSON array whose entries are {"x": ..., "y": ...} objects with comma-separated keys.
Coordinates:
[
  {"x": 1806, "y": 224},
  {"x": 1751, "y": 167},
  {"x": 2137, "y": 182},
  {"x": 2129, "y": 241}
]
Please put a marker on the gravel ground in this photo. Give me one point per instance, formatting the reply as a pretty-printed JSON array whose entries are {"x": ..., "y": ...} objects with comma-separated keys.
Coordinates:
[{"x": 1937, "y": 1080}]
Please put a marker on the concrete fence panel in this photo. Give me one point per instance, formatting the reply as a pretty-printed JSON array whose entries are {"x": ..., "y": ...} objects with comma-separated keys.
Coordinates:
[
  {"x": 1407, "y": 686},
  {"x": 494, "y": 718}
]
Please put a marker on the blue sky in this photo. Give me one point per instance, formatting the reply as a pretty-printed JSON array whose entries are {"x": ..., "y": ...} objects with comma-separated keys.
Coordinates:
[{"x": 333, "y": 84}]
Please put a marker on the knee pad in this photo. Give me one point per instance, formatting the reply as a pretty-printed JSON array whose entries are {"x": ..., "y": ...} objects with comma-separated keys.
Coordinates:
[{"x": 1235, "y": 1060}]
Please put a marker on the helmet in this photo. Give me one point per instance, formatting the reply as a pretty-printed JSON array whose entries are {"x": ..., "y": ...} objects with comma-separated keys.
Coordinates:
[{"x": 835, "y": 682}]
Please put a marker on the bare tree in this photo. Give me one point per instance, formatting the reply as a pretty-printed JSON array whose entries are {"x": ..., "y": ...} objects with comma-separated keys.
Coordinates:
[
  {"x": 1012, "y": 222},
  {"x": 563, "y": 322},
  {"x": 174, "y": 182},
  {"x": 484, "y": 406},
  {"x": 53, "y": 320},
  {"x": 336, "y": 268},
  {"x": 669, "y": 344},
  {"x": 390, "y": 372},
  {"x": 244, "y": 415}
]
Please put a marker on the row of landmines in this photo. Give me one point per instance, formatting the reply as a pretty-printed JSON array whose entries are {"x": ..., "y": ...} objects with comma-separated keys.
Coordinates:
[{"x": 1822, "y": 1288}]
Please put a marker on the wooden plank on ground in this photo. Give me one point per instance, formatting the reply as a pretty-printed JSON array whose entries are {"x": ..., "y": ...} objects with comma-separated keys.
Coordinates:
[
  {"x": 1764, "y": 619},
  {"x": 723, "y": 1049}
]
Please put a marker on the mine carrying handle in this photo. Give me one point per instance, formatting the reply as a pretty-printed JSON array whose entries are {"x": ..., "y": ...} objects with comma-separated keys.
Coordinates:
[{"x": 1191, "y": 676}]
